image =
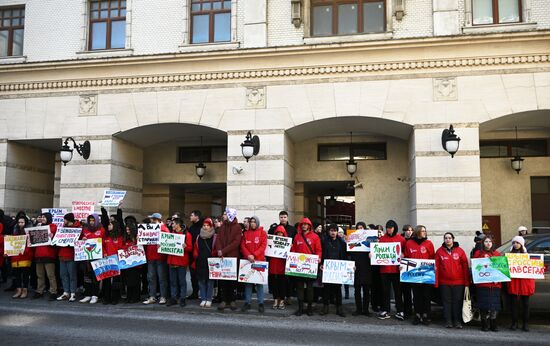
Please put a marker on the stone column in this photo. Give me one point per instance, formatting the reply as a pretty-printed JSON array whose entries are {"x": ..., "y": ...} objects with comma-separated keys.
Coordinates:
[
  {"x": 446, "y": 17},
  {"x": 255, "y": 23}
]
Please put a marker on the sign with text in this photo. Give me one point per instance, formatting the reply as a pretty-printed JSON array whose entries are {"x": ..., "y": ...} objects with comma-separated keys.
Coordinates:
[
  {"x": 277, "y": 246},
  {"x": 526, "y": 266},
  {"x": 90, "y": 249},
  {"x": 417, "y": 271},
  {"x": 490, "y": 269},
  {"x": 359, "y": 240},
  {"x": 171, "y": 243},
  {"x": 57, "y": 215},
  {"x": 338, "y": 272},
  {"x": 106, "y": 267},
  {"x": 222, "y": 268},
  {"x": 15, "y": 245},
  {"x": 385, "y": 254},
  {"x": 112, "y": 198},
  {"x": 133, "y": 256},
  {"x": 302, "y": 265},
  {"x": 148, "y": 233},
  {"x": 66, "y": 236},
  {"x": 253, "y": 273},
  {"x": 38, "y": 236},
  {"x": 81, "y": 209}
]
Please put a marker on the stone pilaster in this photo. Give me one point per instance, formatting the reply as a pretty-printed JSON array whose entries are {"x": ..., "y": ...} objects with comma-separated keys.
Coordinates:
[{"x": 255, "y": 23}]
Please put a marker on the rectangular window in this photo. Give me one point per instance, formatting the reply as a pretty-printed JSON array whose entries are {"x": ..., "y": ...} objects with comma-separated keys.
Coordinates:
[
  {"x": 346, "y": 17},
  {"x": 360, "y": 151},
  {"x": 508, "y": 148},
  {"x": 204, "y": 154},
  {"x": 12, "y": 26},
  {"x": 496, "y": 11},
  {"x": 540, "y": 202},
  {"x": 107, "y": 24},
  {"x": 211, "y": 21}
]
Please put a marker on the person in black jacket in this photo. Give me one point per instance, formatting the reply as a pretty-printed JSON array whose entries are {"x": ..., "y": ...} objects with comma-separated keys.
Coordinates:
[
  {"x": 363, "y": 278},
  {"x": 195, "y": 229},
  {"x": 334, "y": 248}
]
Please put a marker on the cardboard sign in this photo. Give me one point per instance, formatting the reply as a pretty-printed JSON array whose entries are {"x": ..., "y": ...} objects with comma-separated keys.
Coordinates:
[
  {"x": 417, "y": 271},
  {"x": 490, "y": 269},
  {"x": 57, "y": 215},
  {"x": 66, "y": 236},
  {"x": 38, "y": 236},
  {"x": 148, "y": 234},
  {"x": 106, "y": 267},
  {"x": 171, "y": 243},
  {"x": 359, "y": 240},
  {"x": 133, "y": 256},
  {"x": 222, "y": 268},
  {"x": 526, "y": 266},
  {"x": 385, "y": 254},
  {"x": 338, "y": 272},
  {"x": 81, "y": 209},
  {"x": 302, "y": 265},
  {"x": 15, "y": 245},
  {"x": 277, "y": 246},
  {"x": 85, "y": 250},
  {"x": 253, "y": 273},
  {"x": 112, "y": 198}
]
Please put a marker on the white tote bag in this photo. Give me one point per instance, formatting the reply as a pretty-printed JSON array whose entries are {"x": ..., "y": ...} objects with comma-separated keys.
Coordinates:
[{"x": 467, "y": 313}]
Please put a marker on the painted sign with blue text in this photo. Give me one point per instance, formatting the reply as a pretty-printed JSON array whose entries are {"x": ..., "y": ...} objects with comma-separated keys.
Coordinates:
[
  {"x": 490, "y": 269},
  {"x": 338, "y": 272},
  {"x": 417, "y": 271},
  {"x": 253, "y": 273},
  {"x": 222, "y": 268}
]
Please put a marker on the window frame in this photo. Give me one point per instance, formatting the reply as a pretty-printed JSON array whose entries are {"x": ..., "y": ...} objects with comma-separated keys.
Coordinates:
[
  {"x": 11, "y": 28},
  {"x": 494, "y": 8},
  {"x": 211, "y": 19},
  {"x": 109, "y": 21},
  {"x": 206, "y": 158},
  {"x": 334, "y": 4},
  {"x": 509, "y": 144},
  {"x": 347, "y": 146}
]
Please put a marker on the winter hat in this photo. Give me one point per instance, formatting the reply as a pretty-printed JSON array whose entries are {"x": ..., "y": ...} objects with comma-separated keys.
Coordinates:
[
  {"x": 49, "y": 218},
  {"x": 208, "y": 221},
  {"x": 231, "y": 214},
  {"x": 522, "y": 229},
  {"x": 155, "y": 216},
  {"x": 519, "y": 239},
  {"x": 480, "y": 236},
  {"x": 257, "y": 220},
  {"x": 69, "y": 217}
]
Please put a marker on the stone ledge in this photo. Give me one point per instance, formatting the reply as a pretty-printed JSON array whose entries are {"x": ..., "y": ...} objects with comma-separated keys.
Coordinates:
[
  {"x": 445, "y": 126},
  {"x": 258, "y": 158},
  {"x": 100, "y": 185},
  {"x": 444, "y": 153},
  {"x": 255, "y": 132},
  {"x": 254, "y": 182},
  {"x": 499, "y": 28},
  {"x": 108, "y": 162},
  {"x": 431, "y": 180},
  {"x": 448, "y": 206},
  {"x": 27, "y": 168},
  {"x": 277, "y": 207},
  {"x": 25, "y": 189}
]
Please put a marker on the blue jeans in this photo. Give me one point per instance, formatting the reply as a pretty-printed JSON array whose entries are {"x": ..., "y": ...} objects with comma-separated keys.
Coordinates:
[
  {"x": 178, "y": 275},
  {"x": 156, "y": 272},
  {"x": 248, "y": 293},
  {"x": 206, "y": 288},
  {"x": 67, "y": 271}
]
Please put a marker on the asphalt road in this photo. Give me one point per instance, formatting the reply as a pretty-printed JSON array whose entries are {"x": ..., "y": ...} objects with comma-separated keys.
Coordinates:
[{"x": 39, "y": 322}]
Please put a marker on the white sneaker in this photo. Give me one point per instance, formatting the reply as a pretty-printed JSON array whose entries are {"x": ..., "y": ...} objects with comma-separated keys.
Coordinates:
[
  {"x": 208, "y": 304},
  {"x": 150, "y": 300},
  {"x": 72, "y": 298},
  {"x": 203, "y": 303},
  {"x": 64, "y": 296},
  {"x": 162, "y": 300},
  {"x": 93, "y": 300},
  {"x": 85, "y": 299}
]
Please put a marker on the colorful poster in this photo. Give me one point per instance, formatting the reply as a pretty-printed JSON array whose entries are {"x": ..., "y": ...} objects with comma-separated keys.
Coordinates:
[
  {"x": 133, "y": 256},
  {"x": 66, "y": 236},
  {"x": 417, "y": 271},
  {"x": 385, "y": 254},
  {"x": 148, "y": 233},
  {"x": 171, "y": 243},
  {"x": 38, "y": 236},
  {"x": 253, "y": 273},
  {"x": 106, "y": 267},
  {"x": 81, "y": 209},
  {"x": 57, "y": 214},
  {"x": 359, "y": 240},
  {"x": 526, "y": 266},
  {"x": 15, "y": 244},
  {"x": 85, "y": 250},
  {"x": 222, "y": 268},
  {"x": 302, "y": 265},
  {"x": 490, "y": 269},
  {"x": 277, "y": 246},
  {"x": 112, "y": 198},
  {"x": 338, "y": 272}
]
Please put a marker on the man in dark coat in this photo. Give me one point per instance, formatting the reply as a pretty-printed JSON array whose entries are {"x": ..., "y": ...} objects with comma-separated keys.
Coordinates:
[{"x": 195, "y": 229}]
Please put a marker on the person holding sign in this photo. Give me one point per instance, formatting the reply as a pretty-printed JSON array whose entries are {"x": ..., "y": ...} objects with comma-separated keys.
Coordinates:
[
  {"x": 277, "y": 277},
  {"x": 419, "y": 247},
  {"x": 67, "y": 265},
  {"x": 202, "y": 250},
  {"x": 156, "y": 267},
  {"x": 44, "y": 259},
  {"x": 306, "y": 242},
  {"x": 362, "y": 278},
  {"x": 177, "y": 265},
  {"x": 93, "y": 230},
  {"x": 131, "y": 276},
  {"x": 112, "y": 242},
  {"x": 21, "y": 264},
  {"x": 253, "y": 244},
  {"x": 520, "y": 289},
  {"x": 488, "y": 294},
  {"x": 334, "y": 248}
]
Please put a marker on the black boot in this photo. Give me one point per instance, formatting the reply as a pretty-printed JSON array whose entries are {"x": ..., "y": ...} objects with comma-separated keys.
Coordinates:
[
  {"x": 514, "y": 325},
  {"x": 309, "y": 309},
  {"x": 484, "y": 323},
  {"x": 340, "y": 311},
  {"x": 324, "y": 311},
  {"x": 525, "y": 326},
  {"x": 493, "y": 324},
  {"x": 300, "y": 310}
]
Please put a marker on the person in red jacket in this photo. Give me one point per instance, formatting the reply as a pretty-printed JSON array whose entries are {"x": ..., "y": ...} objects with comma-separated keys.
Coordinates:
[
  {"x": 452, "y": 276},
  {"x": 157, "y": 270},
  {"x": 306, "y": 242},
  {"x": 390, "y": 275},
  {"x": 21, "y": 264},
  {"x": 488, "y": 294},
  {"x": 67, "y": 265},
  {"x": 253, "y": 244},
  {"x": 131, "y": 276},
  {"x": 277, "y": 274},
  {"x": 520, "y": 290},
  {"x": 113, "y": 242},
  {"x": 420, "y": 247},
  {"x": 92, "y": 230},
  {"x": 44, "y": 259},
  {"x": 177, "y": 265}
]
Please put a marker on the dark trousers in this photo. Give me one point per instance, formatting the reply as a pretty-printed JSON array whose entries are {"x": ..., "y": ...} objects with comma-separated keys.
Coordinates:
[
  {"x": 407, "y": 289},
  {"x": 227, "y": 289},
  {"x": 132, "y": 278},
  {"x": 514, "y": 306},
  {"x": 362, "y": 296},
  {"x": 332, "y": 291},
  {"x": 306, "y": 292},
  {"x": 91, "y": 285},
  {"x": 452, "y": 297},
  {"x": 111, "y": 289},
  {"x": 422, "y": 298},
  {"x": 194, "y": 282},
  {"x": 278, "y": 285},
  {"x": 21, "y": 277},
  {"x": 376, "y": 290},
  {"x": 389, "y": 281}
]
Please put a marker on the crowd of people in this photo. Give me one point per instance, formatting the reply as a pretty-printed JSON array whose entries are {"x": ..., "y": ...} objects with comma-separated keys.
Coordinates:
[{"x": 164, "y": 278}]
